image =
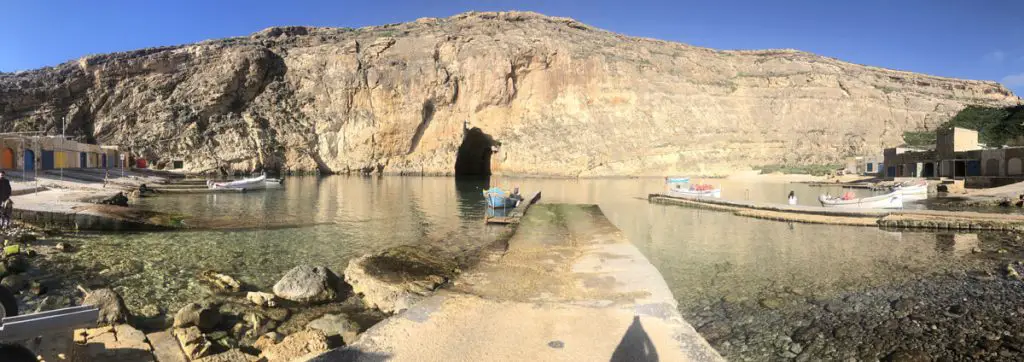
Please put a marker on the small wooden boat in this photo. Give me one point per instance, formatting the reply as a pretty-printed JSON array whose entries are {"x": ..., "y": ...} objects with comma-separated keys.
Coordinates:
[
  {"x": 892, "y": 200},
  {"x": 498, "y": 198},
  {"x": 675, "y": 180},
  {"x": 696, "y": 191},
  {"x": 256, "y": 183}
]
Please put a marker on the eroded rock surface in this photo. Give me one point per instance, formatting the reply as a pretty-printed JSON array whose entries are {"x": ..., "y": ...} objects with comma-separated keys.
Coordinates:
[
  {"x": 397, "y": 278},
  {"x": 550, "y": 95}
]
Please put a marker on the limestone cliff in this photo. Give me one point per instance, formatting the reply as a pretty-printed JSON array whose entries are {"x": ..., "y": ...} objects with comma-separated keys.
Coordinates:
[{"x": 550, "y": 95}]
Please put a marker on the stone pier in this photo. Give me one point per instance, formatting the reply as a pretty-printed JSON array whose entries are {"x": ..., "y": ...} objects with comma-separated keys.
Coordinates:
[{"x": 570, "y": 287}]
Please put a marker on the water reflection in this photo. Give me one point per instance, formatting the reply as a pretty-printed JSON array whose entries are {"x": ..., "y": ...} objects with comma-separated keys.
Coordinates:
[{"x": 702, "y": 254}]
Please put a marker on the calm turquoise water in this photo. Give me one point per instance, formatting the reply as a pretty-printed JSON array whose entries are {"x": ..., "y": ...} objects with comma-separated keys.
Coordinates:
[{"x": 702, "y": 254}]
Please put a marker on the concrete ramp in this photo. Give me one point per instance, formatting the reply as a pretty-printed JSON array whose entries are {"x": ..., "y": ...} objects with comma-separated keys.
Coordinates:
[{"x": 570, "y": 287}]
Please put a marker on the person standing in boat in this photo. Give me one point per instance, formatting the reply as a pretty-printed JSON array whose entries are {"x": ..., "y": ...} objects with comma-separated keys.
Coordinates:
[{"x": 792, "y": 198}]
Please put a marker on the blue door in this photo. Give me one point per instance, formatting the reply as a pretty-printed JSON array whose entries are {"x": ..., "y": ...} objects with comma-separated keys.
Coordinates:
[
  {"x": 103, "y": 160},
  {"x": 30, "y": 161},
  {"x": 47, "y": 160},
  {"x": 891, "y": 171},
  {"x": 871, "y": 167},
  {"x": 82, "y": 157},
  {"x": 973, "y": 168}
]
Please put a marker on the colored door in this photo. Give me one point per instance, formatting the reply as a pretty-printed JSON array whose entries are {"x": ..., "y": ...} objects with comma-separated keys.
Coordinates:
[
  {"x": 83, "y": 159},
  {"x": 61, "y": 158},
  {"x": 48, "y": 160},
  {"x": 973, "y": 168},
  {"x": 30, "y": 161},
  {"x": 103, "y": 160},
  {"x": 7, "y": 159}
]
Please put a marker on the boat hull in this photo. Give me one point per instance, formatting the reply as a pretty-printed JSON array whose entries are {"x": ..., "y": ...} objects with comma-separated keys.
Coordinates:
[
  {"x": 257, "y": 183},
  {"x": 716, "y": 193},
  {"x": 677, "y": 179},
  {"x": 892, "y": 200}
]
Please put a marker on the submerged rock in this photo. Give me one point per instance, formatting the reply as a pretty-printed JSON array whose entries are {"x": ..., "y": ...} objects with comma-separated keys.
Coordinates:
[
  {"x": 64, "y": 247},
  {"x": 196, "y": 315},
  {"x": 14, "y": 283},
  {"x": 336, "y": 325},
  {"x": 15, "y": 264},
  {"x": 308, "y": 284},
  {"x": 112, "y": 308},
  {"x": 397, "y": 278},
  {"x": 221, "y": 282},
  {"x": 296, "y": 345}
]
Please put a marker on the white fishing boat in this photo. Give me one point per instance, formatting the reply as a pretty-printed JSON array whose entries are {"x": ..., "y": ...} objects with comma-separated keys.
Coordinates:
[
  {"x": 893, "y": 200},
  {"x": 696, "y": 191},
  {"x": 918, "y": 191},
  {"x": 255, "y": 183}
]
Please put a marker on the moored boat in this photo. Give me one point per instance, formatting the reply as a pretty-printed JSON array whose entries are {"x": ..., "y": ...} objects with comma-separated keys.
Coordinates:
[
  {"x": 254, "y": 183},
  {"x": 699, "y": 190},
  {"x": 893, "y": 200},
  {"x": 498, "y": 198},
  {"x": 677, "y": 180},
  {"x": 916, "y": 191}
]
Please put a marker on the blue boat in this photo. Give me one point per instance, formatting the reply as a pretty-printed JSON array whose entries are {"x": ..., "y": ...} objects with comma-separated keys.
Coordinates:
[
  {"x": 677, "y": 179},
  {"x": 498, "y": 198}
]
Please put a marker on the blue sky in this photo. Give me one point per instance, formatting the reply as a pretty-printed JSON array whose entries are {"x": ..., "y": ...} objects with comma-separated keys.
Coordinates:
[{"x": 974, "y": 39}]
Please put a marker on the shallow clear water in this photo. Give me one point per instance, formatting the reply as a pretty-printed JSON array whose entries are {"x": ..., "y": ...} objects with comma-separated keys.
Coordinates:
[{"x": 327, "y": 221}]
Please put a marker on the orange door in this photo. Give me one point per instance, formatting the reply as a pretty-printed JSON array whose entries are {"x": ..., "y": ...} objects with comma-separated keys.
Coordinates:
[{"x": 7, "y": 159}]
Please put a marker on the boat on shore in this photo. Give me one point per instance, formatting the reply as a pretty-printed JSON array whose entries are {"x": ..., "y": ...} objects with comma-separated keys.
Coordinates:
[
  {"x": 256, "y": 183},
  {"x": 893, "y": 200},
  {"x": 673, "y": 180}
]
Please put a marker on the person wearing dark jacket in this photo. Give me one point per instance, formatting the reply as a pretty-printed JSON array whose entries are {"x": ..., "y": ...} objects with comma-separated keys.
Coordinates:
[{"x": 5, "y": 201}]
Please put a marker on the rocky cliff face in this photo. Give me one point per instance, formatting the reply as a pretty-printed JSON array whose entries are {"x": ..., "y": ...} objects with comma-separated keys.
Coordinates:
[{"x": 549, "y": 96}]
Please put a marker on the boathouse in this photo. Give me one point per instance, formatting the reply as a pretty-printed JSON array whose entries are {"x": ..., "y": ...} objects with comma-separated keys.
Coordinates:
[
  {"x": 957, "y": 155},
  {"x": 29, "y": 153}
]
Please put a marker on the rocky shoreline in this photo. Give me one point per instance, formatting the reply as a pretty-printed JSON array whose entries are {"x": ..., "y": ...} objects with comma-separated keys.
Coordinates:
[
  {"x": 967, "y": 311},
  {"x": 310, "y": 310}
]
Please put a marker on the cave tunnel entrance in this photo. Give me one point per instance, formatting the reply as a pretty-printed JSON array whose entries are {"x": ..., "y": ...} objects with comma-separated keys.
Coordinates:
[{"x": 474, "y": 155}]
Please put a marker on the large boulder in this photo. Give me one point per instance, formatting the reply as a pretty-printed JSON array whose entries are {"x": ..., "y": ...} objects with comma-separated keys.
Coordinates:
[
  {"x": 192, "y": 314},
  {"x": 112, "y": 308},
  {"x": 336, "y": 325},
  {"x": 397, "y": 278},
  {"x": 308, "y": 284},
  {"x": 296, "y": 345}
]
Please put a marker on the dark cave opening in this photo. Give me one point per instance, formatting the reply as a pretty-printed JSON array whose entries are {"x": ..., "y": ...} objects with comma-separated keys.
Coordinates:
[{"x": 474, "y": 155}]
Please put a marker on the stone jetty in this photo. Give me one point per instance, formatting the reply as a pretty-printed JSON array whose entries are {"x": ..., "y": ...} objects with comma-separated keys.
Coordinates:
[
  {"x": 889, "y": 218},
  {"x": 569, "y": 286}
]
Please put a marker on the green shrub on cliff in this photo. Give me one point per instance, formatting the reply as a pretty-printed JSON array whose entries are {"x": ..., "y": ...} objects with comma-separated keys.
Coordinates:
[
  {"x": 919, "y": 138},
  {"x": 995, "y": 126}
]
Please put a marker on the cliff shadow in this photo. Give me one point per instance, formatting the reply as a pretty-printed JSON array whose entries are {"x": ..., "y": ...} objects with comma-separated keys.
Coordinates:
[{"x": 474, "y": 155}]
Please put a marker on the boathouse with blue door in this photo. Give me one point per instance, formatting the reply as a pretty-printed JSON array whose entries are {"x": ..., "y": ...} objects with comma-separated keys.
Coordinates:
[
  {"x": 48, "y": 160},
  {"x": 30, "y": 160}
]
